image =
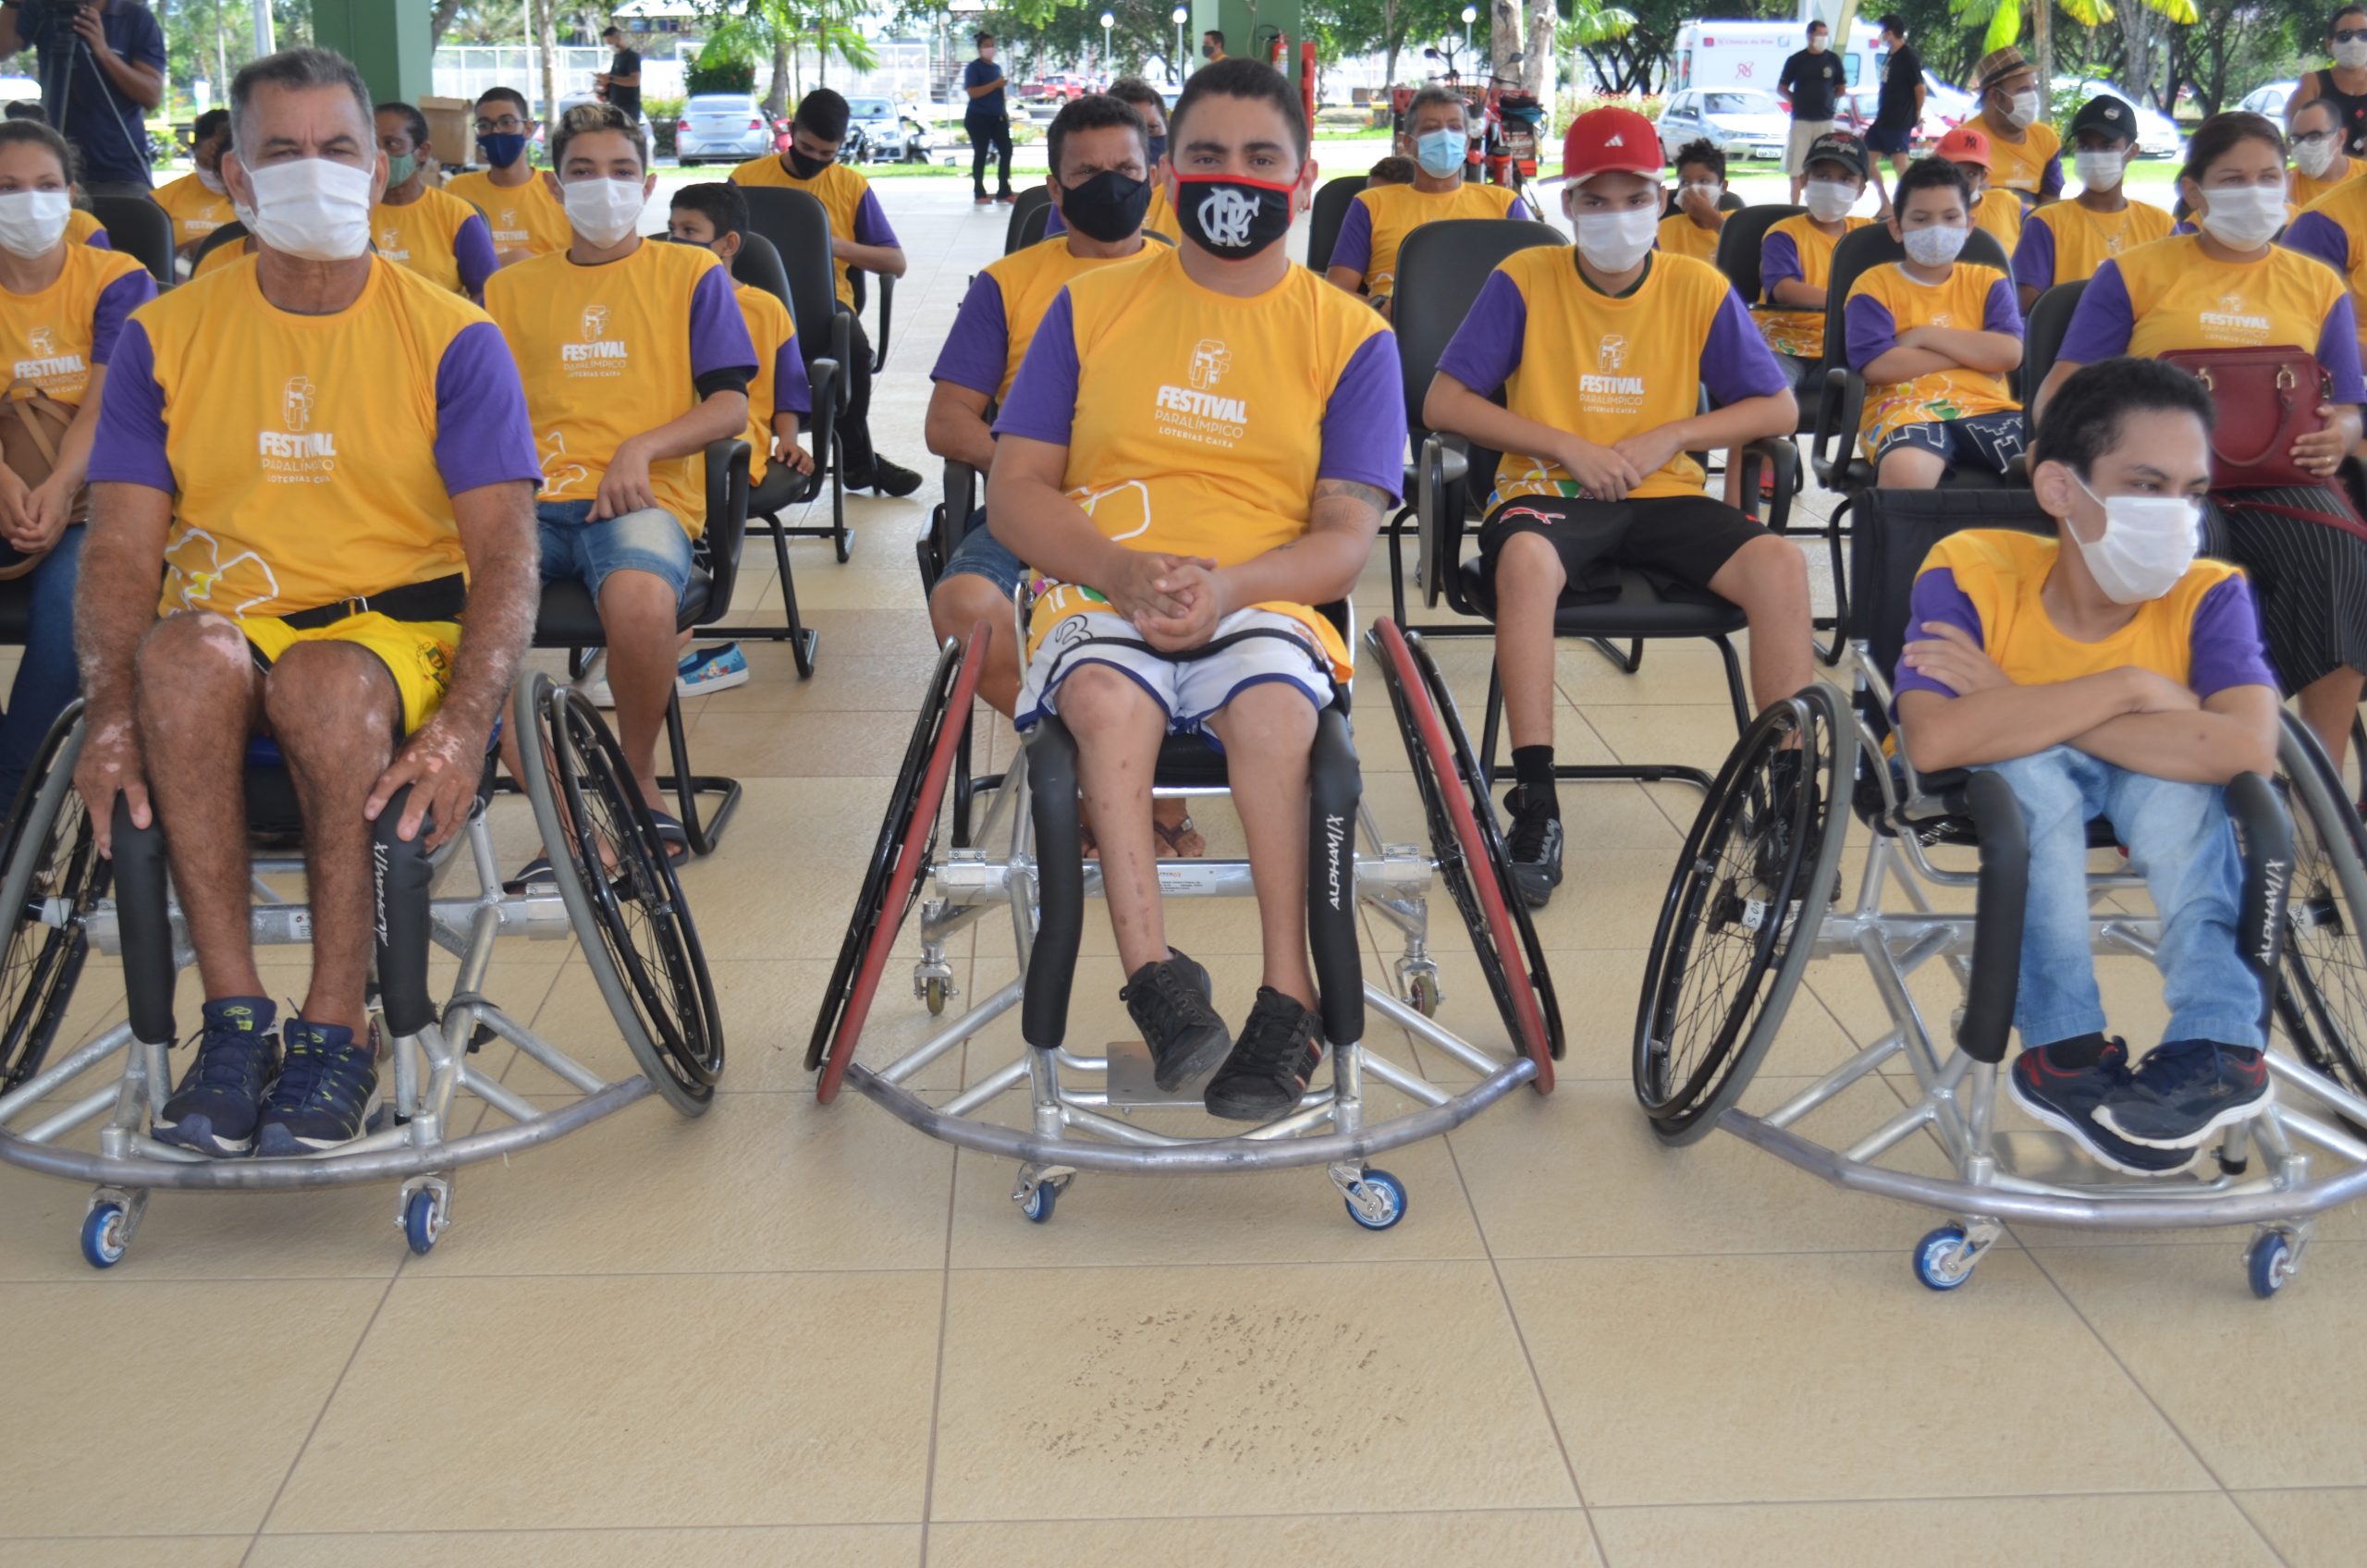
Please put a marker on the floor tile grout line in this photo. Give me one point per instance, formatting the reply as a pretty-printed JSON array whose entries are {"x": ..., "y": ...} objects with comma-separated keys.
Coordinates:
[{"x": 944, "y": 1326}]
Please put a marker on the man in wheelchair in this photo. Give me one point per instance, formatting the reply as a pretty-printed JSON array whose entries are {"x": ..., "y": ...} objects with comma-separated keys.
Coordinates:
[
  {"x": 1195, "y": 452},
  {"x": 326, "y": 459},
  {"x": 2118, "y": 678}
]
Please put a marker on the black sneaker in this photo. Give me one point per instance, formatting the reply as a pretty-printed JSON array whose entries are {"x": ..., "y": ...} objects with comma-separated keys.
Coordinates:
[
  {"x": 2185, "y": 1090},
  {"x": 892, "y": 479},
  {"x": 1270, "y": 1068},
  {"x": 1535, "y": 844},
  {"x": 328, "y": 1091},
  {"x": 2065, "y": 1099},
  {"x": 221, "y": 1095},
  {"x": 1169, "y": 1002}
]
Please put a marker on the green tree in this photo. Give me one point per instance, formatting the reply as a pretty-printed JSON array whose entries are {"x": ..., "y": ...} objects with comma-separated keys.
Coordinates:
[{"x": 1344, "y": 27}]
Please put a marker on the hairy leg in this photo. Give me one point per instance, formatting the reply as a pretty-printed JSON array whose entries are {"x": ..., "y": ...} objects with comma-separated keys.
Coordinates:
[
  {"x": 197, "y": 698},
  {"x": 1117, "y": 730}
]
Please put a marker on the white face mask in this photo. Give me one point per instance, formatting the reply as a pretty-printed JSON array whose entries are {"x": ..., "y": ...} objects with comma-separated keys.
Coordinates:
[
  {"x": 1816, "y": 44},
  {"x": 604, "y": 211},
  {"x": 1935, "y": 247},
  {"x": 1708, "y": 194},
  {"x": 1829, "y": 200},
  {"x": 212, "y": 180},
  {"x": 32, "y": 221},
  {"x": 2148, "y": 543},
  {"x": 2243, "y": 216},
  {"x": 2023, "y": 110},
  {"x": 2316, "y": 153},
  {"x": 2351, "y": 56},
  {"x": 311, "y": 208},
  {"x": 1618, "y": 241},
  {"x": 2098, "y": 171}
]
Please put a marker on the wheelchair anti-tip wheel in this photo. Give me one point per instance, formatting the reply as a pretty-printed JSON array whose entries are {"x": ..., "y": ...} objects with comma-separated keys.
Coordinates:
[
  {"x": 617, "y": 880},
  {"x": 1739, "y": 922},
  {"x": 1472, "y": 860},
  {"x": 2321, "y": 1003},
  {"x": 51, "y": 876},
  {"x": 898, "y": 860}
]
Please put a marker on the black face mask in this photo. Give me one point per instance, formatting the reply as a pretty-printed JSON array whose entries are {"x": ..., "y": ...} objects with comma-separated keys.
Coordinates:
[
  {"x": 1158, "y": 150},
  {"x": 805, "y": 168},
  {"x": 1233, "y": 220},
  {"x": 1107, "y": 207},
  {"x": 1208, "y": 51}
]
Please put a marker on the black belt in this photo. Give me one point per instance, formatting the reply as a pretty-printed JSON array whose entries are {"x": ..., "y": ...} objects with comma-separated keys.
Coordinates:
[{"x": 440, "y": 598}]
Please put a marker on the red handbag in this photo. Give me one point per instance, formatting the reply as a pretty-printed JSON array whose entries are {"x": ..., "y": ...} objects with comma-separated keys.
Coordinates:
[{"x": 2266, "y": 399}]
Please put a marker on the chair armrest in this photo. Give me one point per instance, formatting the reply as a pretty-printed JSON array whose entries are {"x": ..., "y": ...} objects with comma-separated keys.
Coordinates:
[
  {"x": 961, "y": 501},
  {"x": 1784, "y": 458},
  {"x": 828, "y": 384},
  {"x": 1840, "y": 410},
  {"x": 1437, "y": 513},
  {"x": 726, "y": 519},
  {"x": 887, "y": 318},
  {"x": 842, "y": 351}
]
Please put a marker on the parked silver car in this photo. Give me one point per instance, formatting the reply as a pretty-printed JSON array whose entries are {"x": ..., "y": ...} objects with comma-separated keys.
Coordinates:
[
  {"x": 721, "y": 127},
  {"x": 1743, "y": 122}
]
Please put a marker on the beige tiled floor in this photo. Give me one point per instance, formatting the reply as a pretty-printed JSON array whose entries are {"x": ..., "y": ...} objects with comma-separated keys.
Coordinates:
[{"x": 785, "y": 1333}]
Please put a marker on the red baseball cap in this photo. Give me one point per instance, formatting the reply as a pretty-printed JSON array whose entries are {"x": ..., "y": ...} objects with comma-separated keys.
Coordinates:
[
  {"x": 1610, "y": 140},
  {"x": 1965, "y": 145}
]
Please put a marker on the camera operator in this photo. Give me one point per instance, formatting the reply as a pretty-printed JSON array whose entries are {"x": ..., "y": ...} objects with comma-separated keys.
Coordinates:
[{"x": 102, "y": 70}]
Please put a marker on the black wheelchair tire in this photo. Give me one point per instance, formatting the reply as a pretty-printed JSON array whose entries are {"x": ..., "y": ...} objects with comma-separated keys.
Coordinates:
[
  {"x": 50, "y": 868},
  {"x": 1757, "y": 991},
  {"x": 2322, "y": 1001}
]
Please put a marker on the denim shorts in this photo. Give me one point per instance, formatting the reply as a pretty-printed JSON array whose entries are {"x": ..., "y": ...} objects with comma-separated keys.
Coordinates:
[
  {"x": 980, "y": 553},
  {"x": 649, "y": 540},
  {"x": 1987, "y": 442}
]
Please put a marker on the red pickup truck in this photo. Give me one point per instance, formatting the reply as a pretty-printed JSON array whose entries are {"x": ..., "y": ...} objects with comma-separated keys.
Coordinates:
[{"x": 1060, "y": 84}]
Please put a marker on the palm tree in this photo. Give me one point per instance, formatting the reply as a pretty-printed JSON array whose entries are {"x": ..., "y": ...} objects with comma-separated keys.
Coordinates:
[{"x": 2004, "y": 20}]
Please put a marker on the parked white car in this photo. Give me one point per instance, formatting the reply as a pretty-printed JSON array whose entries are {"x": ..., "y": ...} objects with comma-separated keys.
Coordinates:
[
  {"x": 2270, "y": 100},
  {"x": 2157, "y": 134},
  {"x": 721, "y": 127},
  {"x": 1743, "y": 122}
]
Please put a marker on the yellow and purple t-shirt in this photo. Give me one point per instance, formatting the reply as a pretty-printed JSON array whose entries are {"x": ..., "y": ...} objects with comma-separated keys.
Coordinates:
[
  {"x": 525, "y": 219},
  {"x": 1680, "y": 235},
  {"x": 2330, "y": 229},
  {"x": 1199, "y": 424},
  {"x": 1004, "y": 306},
  {"x": 2063, "y": 242},
  {"x": 83, "y": 224},
  {"x": 439, "y": 237},
  {"x": 2033, "y": 167},
  {"x": 2000, "y": 211},
  {"x": 52, "y": 338},
  {"x": 2168, "y": 296},
  {"x": 846, "y": 195},
  {"x": 779, "y": 384},
  {"x": 1570, "y": 356},
  {"x": 195, "y": 210},
  {"x": 1377, "y": 221},
  {"x": 1796, "y": 251},
  {"x": 2203, "y": 633},
  {"x": 2305, "y": 189},
  {"x": 311, "y": 458},
  {"x": 1886, "y": 302},
  {"x": 610, "y": 350}
]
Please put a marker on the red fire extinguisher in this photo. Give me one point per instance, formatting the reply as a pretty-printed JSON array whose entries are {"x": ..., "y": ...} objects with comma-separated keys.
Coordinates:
[
  {"x": 1278, "y": 49},
  {"x": 1307, "y": 79}
]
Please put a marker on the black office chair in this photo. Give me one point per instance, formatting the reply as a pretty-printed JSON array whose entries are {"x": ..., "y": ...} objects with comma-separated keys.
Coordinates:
[
  {"x": 759, "y": 266},
  {"x": 1032, "y": 199},
  {"x": 797, "y": 226},
  {"x": 138, "y": 229},
  {"x": 229, "y": 234},
  {"x": 1323, "y": 220},
  {"x": 570, "y": 619},
  {"x": 858, "y": 282},
  {"x": 1029, "y": 230},
  {"x": 2044, "y": 329}
]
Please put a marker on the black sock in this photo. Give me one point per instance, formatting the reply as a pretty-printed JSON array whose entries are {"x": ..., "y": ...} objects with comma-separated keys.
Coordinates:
[
  {"x": 2079, "y": 1050},
  {"x": 1533, "y": 771}
]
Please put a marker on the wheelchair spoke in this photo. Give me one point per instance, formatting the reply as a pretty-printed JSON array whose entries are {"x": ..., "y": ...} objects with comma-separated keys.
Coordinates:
[{"x": 47, "y": 945}]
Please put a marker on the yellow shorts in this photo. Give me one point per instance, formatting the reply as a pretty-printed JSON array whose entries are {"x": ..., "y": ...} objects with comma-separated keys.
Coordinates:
[{"x": 418, "y": 654}]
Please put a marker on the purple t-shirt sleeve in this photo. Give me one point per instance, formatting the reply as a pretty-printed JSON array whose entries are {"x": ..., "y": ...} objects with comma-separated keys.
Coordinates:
[
  {"x": 1364, "y": 423},
  {"x": 1872, "y": 330},
  {"x": 719, "y": 338},
  {"x": 2225, "y": 643},
  {"x": 2002, "y": 312},
  {"x": 979, "y": 348},
  {"x": 1520, "y": 209},
  {"x": 2034, "y": 256},
  {"x": 2102, "y": 325},
  {"x": 871, "y": 222},
  {"x": 1779, "y": 261},
  {"x": 2338, "y": 351},
  {"x": 1354, "y": 248},
  {"x": 1052, "y": 223},
  {"x": 482, "y": 434},
  {"x": 1938, "y": 600},
  {"x": 2314, "y": 234},
  {"x": 791, "y": 392},
  {"x": 473, "y": 249},
  {"x": 117, "y": 302},
  {"x": 130, "y": 446},
  {"x": 1736, "y": 362},
  {"x": 2050, "y": 180},
  {"x": 1042, "y": 405},
  {"x": 100, "y": 241},
  {"x": 1486, "y": 348}
]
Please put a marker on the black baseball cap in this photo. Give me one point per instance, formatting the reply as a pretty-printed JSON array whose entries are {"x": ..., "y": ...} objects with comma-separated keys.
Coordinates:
[
  {"x": 2107, "y": 115},
  {"x": 1840, "y": 147}
]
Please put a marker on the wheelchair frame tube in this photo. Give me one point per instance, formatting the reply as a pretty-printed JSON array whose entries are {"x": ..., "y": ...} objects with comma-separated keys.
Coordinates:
[
  {"x": 144, "y": 913},
  {"x": 1335, "y": 786},
  {"x": 2264, "y": 844},
  {"x": 399, "y": 877},
  {"x": 1998, "y": 937},
  {"x": 1060, "y": 874}
]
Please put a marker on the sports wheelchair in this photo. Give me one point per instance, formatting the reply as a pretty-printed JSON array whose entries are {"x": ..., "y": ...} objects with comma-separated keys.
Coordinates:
[
  {"x": 617, "y": 895},
  {"x": 1080, "y": 1106},
  {"x": 1757, "y": 894}
]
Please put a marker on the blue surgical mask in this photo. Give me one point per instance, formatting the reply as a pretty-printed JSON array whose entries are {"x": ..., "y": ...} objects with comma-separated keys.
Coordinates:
[
  {"x": 1441, "y": 152},
  {"x": 502, "y": 149},
  {"x": 1158, "y": 148}
]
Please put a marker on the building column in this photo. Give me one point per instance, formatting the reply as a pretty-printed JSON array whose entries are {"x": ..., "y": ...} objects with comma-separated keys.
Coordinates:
[
  {"x": 1244, "y": 37},
  {"x": 386, "y": 40}
]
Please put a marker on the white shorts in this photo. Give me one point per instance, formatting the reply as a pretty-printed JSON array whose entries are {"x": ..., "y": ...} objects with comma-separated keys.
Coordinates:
[
  {"x": 1803, "y": 135},
  {"x": 1248, "y": 648}
]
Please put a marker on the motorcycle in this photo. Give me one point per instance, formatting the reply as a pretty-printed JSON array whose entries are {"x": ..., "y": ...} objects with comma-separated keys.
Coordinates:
[{"x": 1508, "y": 121}]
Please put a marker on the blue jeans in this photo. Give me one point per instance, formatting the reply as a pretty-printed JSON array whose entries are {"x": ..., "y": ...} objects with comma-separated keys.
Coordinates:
[
  {"x": 2179, "y": 837},
  {"x": 980, "y": 553},
  {"x": 47, "y": 679},
  {"x": 649, "y": 540}
]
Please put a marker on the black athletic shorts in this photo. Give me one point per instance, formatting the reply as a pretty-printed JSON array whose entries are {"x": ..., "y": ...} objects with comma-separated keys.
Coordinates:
[{"x": 1677, "y": 543}]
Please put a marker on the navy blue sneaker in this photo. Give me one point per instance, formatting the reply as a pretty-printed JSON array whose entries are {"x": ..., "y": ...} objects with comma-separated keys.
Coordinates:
[
  {"x": 328, "y": 1091},
  {"x": 220, "y": 1096},
  {"x": 2065, "y": 1099},
  {"x": 2185, "y": 1090}
]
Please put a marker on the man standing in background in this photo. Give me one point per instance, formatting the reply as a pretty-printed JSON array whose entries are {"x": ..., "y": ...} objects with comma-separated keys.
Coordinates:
[
  {"x": 102, "y": 70},
  {"x": 620, "y": 83},
  {"x": 988, "y": 120},
  {"x": 1900, "y": 109},
  {"x": 1812, "y": 80}
]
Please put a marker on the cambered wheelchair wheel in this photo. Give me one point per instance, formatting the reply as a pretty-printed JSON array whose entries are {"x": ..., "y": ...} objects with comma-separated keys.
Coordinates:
[
  {"x": 1742, "y": 911},
  {"x": 619, "y": 885},
  {"x": 2321, "y": 1003},
  {"x": 900, "y": 859},
  {"x": 1470, "y": 851},
  {"x": 51, "y": 875}
]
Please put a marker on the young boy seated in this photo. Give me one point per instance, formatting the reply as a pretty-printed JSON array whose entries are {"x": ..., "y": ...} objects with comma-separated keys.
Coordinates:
[
  {"x": 1601, "y": 365},
  {"x": 1437, "y": 138},
  {"x": 1395, "y": 169},
  {"x": 1935, "y": 338},
  {"x": 2113, "y": 676},
  {"x": 1994, "y": 207},
  {"x": 2066, "y": 241},
  {"x": 1796, "y": 258},
  {"x": 1693, "y": 229},
  {"x": 1195, "y": 453}
]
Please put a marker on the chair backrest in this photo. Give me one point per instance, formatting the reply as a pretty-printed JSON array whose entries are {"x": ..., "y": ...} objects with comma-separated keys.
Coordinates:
[
  {"x": 138, "y": 229},
  {"x": 798, "y": 226},
  {"x": 1739, "y": 243},
  {"x": 2043, "y": 333},
  {"x": 1862, "y": 249},
  {"x": 1893, "y": 530},
  {"x": 759, "y": 266},
  {"x": 229, "y": 234},
  {"x": 1441, "y": 269},
  {"x": 1033, "y": 199},
  {"x": 1727, "y": 202},
  {"x": 1323, "y": 219},
  {"x": 1031, "y": 228}
]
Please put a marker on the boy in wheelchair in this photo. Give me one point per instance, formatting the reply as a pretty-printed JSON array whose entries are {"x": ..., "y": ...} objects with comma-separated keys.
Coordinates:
[
  {"x": 1196, "y": 451},
  {"x": 2118, "y": 678}
]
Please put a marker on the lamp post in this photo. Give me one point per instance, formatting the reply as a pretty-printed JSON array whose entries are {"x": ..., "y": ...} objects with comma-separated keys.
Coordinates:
[
  {"x": 1470, "y": 14},
  {"x": 1182, "y": 13},
  {"x": 1108, "y": 21}
]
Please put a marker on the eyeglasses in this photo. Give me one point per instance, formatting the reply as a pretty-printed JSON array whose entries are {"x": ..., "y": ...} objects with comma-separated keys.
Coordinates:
[
  {"x": 507, "y": 124},
  {"x": 2352, "y": 35}
]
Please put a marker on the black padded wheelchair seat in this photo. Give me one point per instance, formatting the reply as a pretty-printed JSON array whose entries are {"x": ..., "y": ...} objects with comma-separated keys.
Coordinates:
[
  {"x": 570, "y": 617},
  {"x": 1640, "y": 610}
]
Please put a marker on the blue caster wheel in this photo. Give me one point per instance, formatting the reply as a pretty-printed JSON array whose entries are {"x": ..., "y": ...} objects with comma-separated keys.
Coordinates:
[
  {"x": 2268, "y": 1263},
  {"x": 1938, "y": 1259},
  {"x": 422, "y": 1225},
  {"x": 1040, "y": 1204},
  {"x": 103, "y": 1238},
  {"x": 1378, "y": 1202}
]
